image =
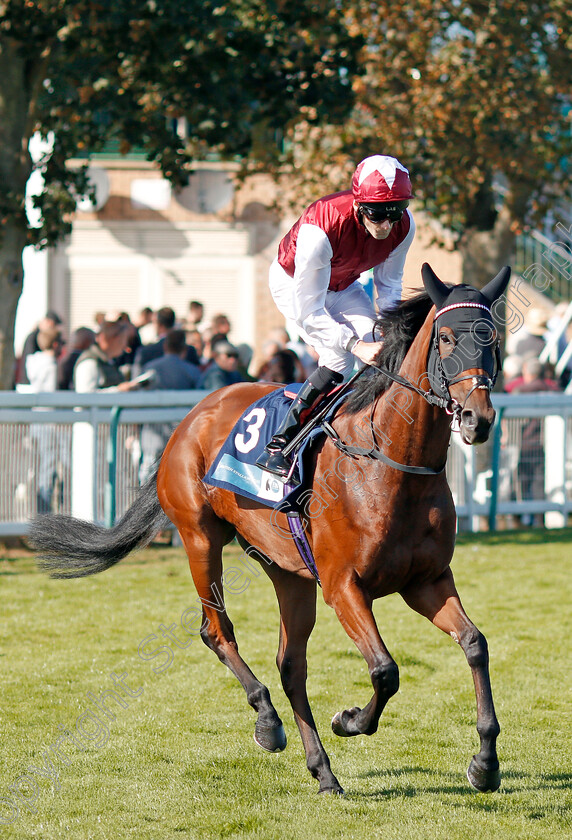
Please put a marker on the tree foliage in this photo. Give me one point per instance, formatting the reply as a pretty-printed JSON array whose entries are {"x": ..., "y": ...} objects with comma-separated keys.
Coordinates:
[
  {"x": 240, "y": 73},
  {"x": 91, "y": 71},
  {"x": 474, "y": 97}
]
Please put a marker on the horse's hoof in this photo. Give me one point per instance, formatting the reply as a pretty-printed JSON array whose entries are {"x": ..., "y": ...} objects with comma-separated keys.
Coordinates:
[
  {"x": 270, "y": 738},
  {"x": 338, "y": 725},
  {"x": 336, "y": 790},
  {"x": 485, "y": 781}
]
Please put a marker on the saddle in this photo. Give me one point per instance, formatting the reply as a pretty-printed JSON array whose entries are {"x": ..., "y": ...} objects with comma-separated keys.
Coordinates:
[{"x": 234, "y": 467}]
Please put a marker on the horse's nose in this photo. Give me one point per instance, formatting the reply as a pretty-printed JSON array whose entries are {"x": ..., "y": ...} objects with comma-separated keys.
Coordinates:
[
  {"x": 476, "y": 427},
  {"x": 469, "y": 419}
]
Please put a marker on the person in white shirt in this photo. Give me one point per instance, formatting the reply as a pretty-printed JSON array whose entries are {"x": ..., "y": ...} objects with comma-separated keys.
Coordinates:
[
  {"x": 42, "y": 373},
  {"x": 314, "y": 280}
]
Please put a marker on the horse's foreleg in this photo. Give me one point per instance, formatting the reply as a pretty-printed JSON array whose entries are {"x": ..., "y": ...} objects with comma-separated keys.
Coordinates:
[
  {"x": 297, "y": 600},
  {"x": 353, "y": 608},
  {"x": 440, "y": 603},
  {"x": 217, "y": 632}
]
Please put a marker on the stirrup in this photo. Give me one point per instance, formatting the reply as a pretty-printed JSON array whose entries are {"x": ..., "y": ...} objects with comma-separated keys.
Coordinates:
[
  {"x": 275, "y": 463},
  {"x": 275, "y": 445},
  {"x": 272, "y": 450}
]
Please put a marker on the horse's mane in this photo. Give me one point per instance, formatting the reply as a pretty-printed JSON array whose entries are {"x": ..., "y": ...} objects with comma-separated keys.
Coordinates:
[{"x": 398, "y": 326}]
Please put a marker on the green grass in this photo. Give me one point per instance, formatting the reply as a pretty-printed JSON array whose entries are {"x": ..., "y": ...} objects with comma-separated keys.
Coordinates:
[{"x": 180, "y": 760}]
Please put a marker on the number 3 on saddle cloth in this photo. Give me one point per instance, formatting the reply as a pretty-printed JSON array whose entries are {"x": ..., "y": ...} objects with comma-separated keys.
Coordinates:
[{"x": 235, "y": 468}]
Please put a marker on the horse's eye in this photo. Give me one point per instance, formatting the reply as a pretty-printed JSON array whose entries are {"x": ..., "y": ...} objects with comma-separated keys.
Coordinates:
[{"x": 446, "y": 338}]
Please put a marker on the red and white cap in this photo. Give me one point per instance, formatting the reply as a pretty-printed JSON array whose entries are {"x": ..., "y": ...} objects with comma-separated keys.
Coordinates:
[{"x": 381, "y": 178}]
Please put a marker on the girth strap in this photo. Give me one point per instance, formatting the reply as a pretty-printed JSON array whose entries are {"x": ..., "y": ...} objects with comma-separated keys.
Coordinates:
[{"x": 301, "y": 542}]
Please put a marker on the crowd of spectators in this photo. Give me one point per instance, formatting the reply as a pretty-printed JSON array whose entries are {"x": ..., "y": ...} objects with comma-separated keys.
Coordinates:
[
  {"x": 121, "y": 353},
  {"x": 156, "y": 350},
  {"x": 525, "y": 371}
]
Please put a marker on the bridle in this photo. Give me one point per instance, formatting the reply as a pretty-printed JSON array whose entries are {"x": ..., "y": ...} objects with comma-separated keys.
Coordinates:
[{"x": 481, "y": 381}]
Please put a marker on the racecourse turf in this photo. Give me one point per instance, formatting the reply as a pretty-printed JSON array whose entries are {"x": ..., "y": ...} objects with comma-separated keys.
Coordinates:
[{"x": 177, "y": 758}]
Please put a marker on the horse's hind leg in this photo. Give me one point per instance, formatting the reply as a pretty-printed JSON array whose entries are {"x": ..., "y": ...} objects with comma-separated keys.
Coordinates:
[
  {"x": 440, "y": 603},
  {"x": 297, "y": 600},
  {"x": 204, "y": 550}
]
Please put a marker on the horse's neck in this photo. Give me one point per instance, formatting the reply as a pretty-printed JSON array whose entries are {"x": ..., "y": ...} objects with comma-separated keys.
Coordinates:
[
  {"x": 414, "y": 366},
  {"x": 419, "y": 432}
]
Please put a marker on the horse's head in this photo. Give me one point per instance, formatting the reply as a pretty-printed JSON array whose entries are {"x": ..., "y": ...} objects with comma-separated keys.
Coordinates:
[{"x": 464, "y": 356}]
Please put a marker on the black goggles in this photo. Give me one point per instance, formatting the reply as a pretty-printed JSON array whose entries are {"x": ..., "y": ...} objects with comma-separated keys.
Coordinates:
[{"x": 381, "y": 212}]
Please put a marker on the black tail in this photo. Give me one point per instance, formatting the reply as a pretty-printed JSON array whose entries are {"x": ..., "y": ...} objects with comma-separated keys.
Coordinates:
[{"x": 71, "y": 548}]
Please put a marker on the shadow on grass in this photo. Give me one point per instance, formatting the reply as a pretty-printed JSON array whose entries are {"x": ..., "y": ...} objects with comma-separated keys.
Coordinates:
[
  {"x": 550, "y": 781},
  {"x": 449, "y": 784},
  {"x": 512, "y": 783},
  {"x": 564, "y": 779}
]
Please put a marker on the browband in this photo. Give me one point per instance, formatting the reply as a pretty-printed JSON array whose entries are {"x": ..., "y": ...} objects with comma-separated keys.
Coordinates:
[{"x": 462, "y": 306}]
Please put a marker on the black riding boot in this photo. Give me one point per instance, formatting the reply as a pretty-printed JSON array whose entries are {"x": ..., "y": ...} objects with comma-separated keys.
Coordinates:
[{"x": 318, "y": 383}]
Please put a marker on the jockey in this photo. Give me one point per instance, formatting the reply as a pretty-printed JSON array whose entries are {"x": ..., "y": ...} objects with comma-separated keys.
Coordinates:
[{"x": 314, "y": 280}]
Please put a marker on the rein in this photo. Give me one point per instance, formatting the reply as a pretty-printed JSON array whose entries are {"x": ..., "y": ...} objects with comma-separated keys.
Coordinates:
[
  {"x": 450, "y": 405},
  {"x": 428, "y": 396},
  {"x": 375, "y": 453}
]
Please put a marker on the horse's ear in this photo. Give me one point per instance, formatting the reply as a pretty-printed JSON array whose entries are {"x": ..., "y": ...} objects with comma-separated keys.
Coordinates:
[
  {"x": 435, "y": 288},
  {"x": 497, "y": 285}
]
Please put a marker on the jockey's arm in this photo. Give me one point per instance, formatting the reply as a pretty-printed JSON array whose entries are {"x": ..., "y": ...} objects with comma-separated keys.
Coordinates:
[
  {"x": 388, "y": 278},
  {"x": 312, "y": 278}
]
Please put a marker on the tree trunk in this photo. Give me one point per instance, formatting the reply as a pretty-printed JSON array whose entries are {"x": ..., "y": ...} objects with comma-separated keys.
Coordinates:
[
  {"x": 11, "y": 276},
  {"x": 485, "y": 252},
  {"x": 15, "y": 168}
]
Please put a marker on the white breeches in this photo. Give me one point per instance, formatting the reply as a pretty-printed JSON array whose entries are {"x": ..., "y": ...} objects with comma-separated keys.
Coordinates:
[{"x": 351, "y": 307}]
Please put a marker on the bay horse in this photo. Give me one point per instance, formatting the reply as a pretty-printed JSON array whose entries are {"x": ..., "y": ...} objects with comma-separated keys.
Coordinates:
[{"x": 393, "y": 531}]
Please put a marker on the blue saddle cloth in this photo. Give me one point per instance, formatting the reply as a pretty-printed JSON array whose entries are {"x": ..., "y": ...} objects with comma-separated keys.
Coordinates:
[{"x": 234, "y": 468}]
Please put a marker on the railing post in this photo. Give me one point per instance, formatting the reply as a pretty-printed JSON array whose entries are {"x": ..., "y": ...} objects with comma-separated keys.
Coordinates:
[
  {"x": 495, "y": 469},
  {"x": 84, "y": 465},
  {"x": 555, "y": 469},
  {"x": 111, "y": 483}
]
